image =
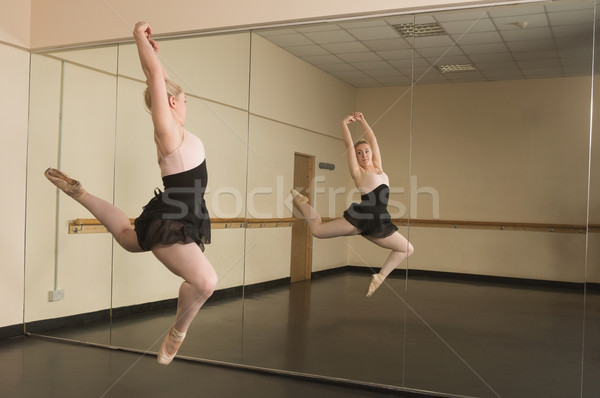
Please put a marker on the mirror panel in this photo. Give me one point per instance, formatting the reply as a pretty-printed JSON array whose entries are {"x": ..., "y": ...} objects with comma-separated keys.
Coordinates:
[
  {"x": 309, "y": 322},
  {"x": 213, "y": 71},
  {"x": 591, "y": 366},
  {"x": 72, "y": 126},
  {"x": 499, "y": 152}
]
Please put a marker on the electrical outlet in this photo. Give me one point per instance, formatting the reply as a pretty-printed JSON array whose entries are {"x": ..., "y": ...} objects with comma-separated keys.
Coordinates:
[{"x": 57, "y": 295}]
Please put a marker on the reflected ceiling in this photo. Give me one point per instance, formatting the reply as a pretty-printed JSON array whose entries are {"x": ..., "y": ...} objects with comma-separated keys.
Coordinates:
[{"x": 539, "y": 40}]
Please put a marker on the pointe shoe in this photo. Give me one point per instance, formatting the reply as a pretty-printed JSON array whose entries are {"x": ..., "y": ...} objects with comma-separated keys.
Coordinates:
[
  {"x": 163, "y": 357},
  {"x": 376, "y": 281},
  {"x": 298, "y": 197},
  {"x": 68, "y": 185}
]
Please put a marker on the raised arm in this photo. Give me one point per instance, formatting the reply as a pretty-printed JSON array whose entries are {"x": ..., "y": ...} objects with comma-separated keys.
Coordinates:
[
  {"x": 354, "y": 167},
  {"x": 165, "y": 127},
  {"x": 370, "y": 136}
]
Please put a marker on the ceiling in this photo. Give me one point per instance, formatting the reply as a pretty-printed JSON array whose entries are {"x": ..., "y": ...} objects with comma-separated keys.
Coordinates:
[{"x": 526, "y": 41}]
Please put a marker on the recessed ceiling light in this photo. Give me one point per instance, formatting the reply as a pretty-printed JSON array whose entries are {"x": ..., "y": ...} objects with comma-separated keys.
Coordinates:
[
  {"x": 457, "y": 68},
  {"x": 419, "y": 30}
]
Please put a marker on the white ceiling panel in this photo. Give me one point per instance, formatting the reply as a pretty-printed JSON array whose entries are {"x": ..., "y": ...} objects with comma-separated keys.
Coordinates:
[
  {"x": 333, "y": 36},
  {"x": 531, "y": 45},
  {"x": 460, "y": 27},
  {"x": 387, "y": 44},
  {"x": 518, "y": 10},
  {"x": 433, "y": 41},
  {"x": 527, "y": 34},
  {"x": 371, "y": 66},
  {"x": 346, "y": 47},
  {"x": 360, "y": 57},
  {"x": 571, "y": 17},
  {"x": 396, "y": 54},
  {"x": 461, "y": 15},
  {"x": 532, "y": 21},
  {"x": 477, "y": 38},
  {"x": 379, "y": 32},
  {"x": 292, "y": 40},
  {"x": 304, "y": 51}
]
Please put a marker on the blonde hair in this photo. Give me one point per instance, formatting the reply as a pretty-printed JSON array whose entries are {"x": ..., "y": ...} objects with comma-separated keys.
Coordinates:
[
  {"x": 173, "y": 90},
  {"x": 360, "y": 142}
]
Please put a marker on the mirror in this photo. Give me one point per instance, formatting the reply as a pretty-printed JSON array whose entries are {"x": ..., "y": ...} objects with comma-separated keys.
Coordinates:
[
  {"x": 500, "y": 134},
  {"x": 137, "y": 301},
  {"x": 213, "y": 71},
  {"x": 72, "y": 126},
  {"x": 488, "y": 177}
]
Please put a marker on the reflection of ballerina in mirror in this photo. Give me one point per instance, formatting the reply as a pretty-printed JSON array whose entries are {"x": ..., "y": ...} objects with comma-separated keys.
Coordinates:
[
  {"x": 175, "y": 224},
  {"x": 370, "y": 218}
]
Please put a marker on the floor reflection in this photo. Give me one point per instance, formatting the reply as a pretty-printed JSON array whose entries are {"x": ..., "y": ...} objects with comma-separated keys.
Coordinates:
[{"x": 472, "y": 338}]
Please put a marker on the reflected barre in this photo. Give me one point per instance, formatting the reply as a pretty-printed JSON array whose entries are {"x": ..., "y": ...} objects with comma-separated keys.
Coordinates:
[
  {"x": 498, "y": 226},
  {"x": 92, "y": 225}
]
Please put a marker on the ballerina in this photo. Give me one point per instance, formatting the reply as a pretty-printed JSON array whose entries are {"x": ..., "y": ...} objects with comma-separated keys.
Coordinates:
[
  {"x": 370, "y": 218},
  {"x": 175, "y": 224}
]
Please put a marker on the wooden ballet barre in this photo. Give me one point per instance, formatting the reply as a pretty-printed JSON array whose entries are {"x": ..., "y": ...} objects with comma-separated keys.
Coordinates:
[{"x": 93, "y": 226}]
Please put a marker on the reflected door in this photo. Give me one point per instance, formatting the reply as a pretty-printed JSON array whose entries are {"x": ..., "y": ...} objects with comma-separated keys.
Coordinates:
[{"x": 301, "y": 260}]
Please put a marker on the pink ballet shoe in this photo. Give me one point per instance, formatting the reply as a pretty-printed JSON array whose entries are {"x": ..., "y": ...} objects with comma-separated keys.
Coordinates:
[
  {"x": 376, "y": 281},
  {"x": 164, "y": 358},
  {"x": 66, "y": 184},
  {"x": 298, "y": 197}
]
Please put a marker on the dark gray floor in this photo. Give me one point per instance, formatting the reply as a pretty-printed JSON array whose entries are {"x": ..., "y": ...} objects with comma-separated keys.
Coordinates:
[
  {"x": 31, "y": 367},
  {"x": 456, "y": 337}
]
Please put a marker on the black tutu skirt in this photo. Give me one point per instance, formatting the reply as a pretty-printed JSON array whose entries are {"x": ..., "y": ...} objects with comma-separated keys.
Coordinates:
[
  {"x": 370, "y": 216},
  {"x": 165, "y": 224}
]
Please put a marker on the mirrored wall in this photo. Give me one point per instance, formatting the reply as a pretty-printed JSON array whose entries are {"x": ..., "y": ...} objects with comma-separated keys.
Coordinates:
[{"x": 483, "y": 120}]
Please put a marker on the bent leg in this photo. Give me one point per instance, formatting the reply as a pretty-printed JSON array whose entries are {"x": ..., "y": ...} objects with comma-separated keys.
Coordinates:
[
  {"x": 200, "y": 280},
  {"x": 401, "y": 249}
]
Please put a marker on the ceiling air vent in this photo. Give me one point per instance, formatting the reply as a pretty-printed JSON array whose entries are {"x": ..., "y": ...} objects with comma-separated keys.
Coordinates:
[
  {"x": 419, "y": 30},
  {"x": 457, "y": 68}
]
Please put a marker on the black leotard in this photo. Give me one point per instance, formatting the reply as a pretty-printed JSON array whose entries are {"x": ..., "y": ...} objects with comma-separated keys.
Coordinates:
[{"x": 178, "y": 214}]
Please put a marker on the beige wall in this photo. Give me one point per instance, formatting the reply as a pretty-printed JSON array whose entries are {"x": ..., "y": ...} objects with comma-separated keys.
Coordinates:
[
  {"x": 65, "y": 22},
  {"x": 14, "y": 81}
]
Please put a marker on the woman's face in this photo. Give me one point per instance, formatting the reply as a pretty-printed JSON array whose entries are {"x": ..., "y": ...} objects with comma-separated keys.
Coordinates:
[{"x": 363, "y": 155}]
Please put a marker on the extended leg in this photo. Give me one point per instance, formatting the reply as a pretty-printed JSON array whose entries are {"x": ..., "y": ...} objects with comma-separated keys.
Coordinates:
[
  {"x": 319, "y": 229},
  {"x": 110, "y": 216},
  {"x": 200, "y": 279},
  {"x": 401, "y": 249}
]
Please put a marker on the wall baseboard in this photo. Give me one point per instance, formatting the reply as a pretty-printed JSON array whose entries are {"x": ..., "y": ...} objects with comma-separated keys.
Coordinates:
[{"x": 12, "y": 331}]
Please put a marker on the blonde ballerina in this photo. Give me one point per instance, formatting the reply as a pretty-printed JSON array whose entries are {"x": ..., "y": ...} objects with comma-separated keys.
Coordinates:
[{"x": 370, "y": 217}]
